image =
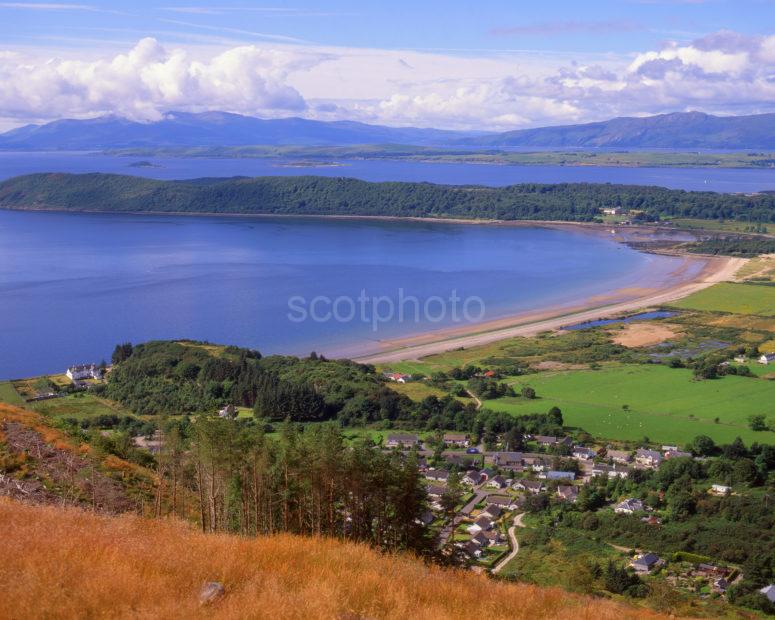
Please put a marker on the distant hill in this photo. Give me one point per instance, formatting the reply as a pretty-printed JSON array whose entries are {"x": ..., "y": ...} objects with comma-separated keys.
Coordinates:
[
  {"x": 311, "y": 195},
  {"x": 674, "y": 131},
  {"x": 69, "y": 563},
  {"x": 212, "y": 129},
  {"x": 690, "y": 130}
]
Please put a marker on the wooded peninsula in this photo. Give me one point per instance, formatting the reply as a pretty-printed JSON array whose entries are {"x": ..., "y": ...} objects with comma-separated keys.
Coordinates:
[{"x": 311, "y": 195}]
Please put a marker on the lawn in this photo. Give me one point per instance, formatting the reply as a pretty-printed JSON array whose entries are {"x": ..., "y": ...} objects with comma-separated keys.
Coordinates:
[
  {"x": 664, "y": 404},
  {"x": 734, "y": 298}
]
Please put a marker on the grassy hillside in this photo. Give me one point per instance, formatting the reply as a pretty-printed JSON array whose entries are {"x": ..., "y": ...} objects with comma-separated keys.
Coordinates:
[
  {"x": 340, "y": 196},
  {"x": 136, "y": 567}
]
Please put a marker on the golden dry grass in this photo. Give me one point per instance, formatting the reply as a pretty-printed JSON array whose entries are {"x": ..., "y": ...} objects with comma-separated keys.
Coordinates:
[
  {"x": 644, "y": 334},
  {"x": 68, "y": 563}
]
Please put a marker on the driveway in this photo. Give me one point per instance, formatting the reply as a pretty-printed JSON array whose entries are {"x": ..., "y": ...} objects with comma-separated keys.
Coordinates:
[{"x": 514, "y": 544}]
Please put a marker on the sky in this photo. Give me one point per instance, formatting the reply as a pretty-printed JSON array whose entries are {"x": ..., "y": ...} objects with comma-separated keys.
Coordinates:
[{"x": 490, "y": 65}]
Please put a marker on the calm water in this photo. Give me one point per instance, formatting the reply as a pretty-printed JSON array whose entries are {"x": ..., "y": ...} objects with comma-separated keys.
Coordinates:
[
  {"x": 722, "y": 180},
  {"x": 642, "y": 316},
  {"x": 73, "y": 285}
]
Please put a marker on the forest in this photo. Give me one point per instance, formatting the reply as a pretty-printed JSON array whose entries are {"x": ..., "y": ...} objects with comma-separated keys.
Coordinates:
[
  {"x": 310, "y": 195},
  {"x": 172, "y": 378}
]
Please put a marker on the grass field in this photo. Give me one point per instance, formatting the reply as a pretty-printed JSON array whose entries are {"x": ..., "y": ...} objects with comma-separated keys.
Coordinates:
[
  {"x": 79, "y": 406},
  {"x": 8, "y": 394},
  {"x": 665, "y": 404},
  {"x": 733, "y": 298}
]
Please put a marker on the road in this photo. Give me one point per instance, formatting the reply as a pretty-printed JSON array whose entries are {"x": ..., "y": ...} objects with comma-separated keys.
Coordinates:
[{"x": 514, "y": 544}]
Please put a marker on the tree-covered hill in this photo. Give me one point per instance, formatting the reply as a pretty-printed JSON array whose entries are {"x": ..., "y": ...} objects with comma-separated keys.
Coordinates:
[{"x": 310, "y": 195}]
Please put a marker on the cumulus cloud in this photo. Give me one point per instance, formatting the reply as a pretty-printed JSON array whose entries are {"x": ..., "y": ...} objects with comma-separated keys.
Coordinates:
[
  {"x": 149, "y": 80},
  {"x": 724, "y": 72}
]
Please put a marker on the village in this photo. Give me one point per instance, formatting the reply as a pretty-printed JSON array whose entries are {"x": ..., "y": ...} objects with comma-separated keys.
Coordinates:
[{"x": 490, "y": 490}]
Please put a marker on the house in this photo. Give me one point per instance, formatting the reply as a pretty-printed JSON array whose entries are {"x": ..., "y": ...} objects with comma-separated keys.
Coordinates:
[
  {"x": 426, "y": 518},
  {"x": 615, "y": 470},
  {"x": 580, "y": 452},
  {"x": 569, "y": 493},
  {"x": 460, "y": 460},
  {"x": 720, "y": 585},
  {"x": 83, "y": 371},
  {"x": 456, "y": 440},
  {"x": 435, "y": 491},
  {"x": 628, "y": 506},
  {"x": 611, "y": 211},
  {"x": 398, "y": 377},
  {"x": 559, "y": 475},
  {"x": 530, "y": 486},
  {"x": 507, "y": 459},
  {"x": 493, "y": 511},
  {"x": 472, "y": 477},
  {"x": 229, "y": 412},
  {"x": 645, "y": 562},
  {"x": 402, "y": 441},
  {"x": 487, "y": 473},
  {"x": 439, "y": 475},
  {"x": 493, "y": 537},
  {"x": 767, "y": 358},
  {"x": 490, "y": 374},
  {"x": 719, "y": 489},
  {"x": 471, "y": 549},
  {"x": 539, "y": 465},
  {"x": 482, "y": 524},
  {"x": 769, "y": 592},
  {"x": 480, "y": 539},
  {"x": 666, "y": 448},
  {"x": 505, "y": 502},
  {"x": 497, "y": 482},
  {"x": 619, "y": 456},
  {"x": 677, "y": 454},
  {"x": 648, "y": 458},
  {"x": 741, "y": 359}
]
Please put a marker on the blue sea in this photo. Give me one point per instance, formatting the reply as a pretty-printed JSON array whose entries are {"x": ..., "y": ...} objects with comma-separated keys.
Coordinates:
[
  {"x": 717, "y": 180},
  {"x": 72, "y": 285}
]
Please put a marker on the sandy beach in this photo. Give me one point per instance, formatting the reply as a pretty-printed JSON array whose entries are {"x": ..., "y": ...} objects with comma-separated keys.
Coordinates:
[{"x": 716, "y": 269}]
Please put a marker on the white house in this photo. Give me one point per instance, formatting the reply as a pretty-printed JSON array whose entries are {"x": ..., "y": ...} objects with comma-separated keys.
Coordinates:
[
  {"x": 719, "y": 489},
  {"x": 769, "y": 592},
  {"x": 628, "y": 506},
  {"x": 83, "y": 371},
  {"x": 767, "y": 358},
  {"x": 482, "y": 524},
  {"x": 648, "y": 458}
]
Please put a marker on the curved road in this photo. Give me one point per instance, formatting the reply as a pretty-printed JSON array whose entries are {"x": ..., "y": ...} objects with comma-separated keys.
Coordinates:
[{"x": 514, "y": 544}]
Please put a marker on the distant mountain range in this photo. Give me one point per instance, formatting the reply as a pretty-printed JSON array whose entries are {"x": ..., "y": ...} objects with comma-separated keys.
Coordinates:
[
  {"x": 681, "y": 130},
  {"x": 181, "y": 129}
]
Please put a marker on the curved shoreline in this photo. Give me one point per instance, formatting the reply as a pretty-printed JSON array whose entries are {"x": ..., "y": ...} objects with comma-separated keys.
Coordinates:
[{"x": 717, "y": 269}]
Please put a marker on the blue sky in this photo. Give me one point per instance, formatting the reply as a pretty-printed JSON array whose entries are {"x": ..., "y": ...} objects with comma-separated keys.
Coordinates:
[{"x": 493, "y": 64}]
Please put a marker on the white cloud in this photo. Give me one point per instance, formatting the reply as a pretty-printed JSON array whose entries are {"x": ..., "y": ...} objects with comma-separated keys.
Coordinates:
[
  {"x": 723, "y": 73},
  {"x": 150, "y": 80}
]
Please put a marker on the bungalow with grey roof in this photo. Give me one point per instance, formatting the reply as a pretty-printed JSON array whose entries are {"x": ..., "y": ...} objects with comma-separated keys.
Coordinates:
[
  {"x": 493, "y": 511},
  {"x": 569, "y": 493},
  {"x": 645, "y": 562},
  {"x": 628, "y": 506},
  {"x": 401, "y": 440},
  {"x": 457, "y": 440},
  {"x": 648, "y": 458},
  {"x": 497, "y": 482},
  {"x": 507, "y": 459},
  {"x": 482, "y": 524},
  {"x": 530, "y": 486},
  {"x": 580, "y": 452}
]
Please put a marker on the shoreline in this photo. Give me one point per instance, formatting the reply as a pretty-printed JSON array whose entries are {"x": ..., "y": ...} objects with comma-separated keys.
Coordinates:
[{"x": 716, "y": 269}]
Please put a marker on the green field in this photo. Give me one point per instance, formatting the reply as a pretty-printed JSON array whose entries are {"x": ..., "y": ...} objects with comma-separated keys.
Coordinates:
[
  {"x": 9, "y": 395},
  {"x": 665, "y": 404},
  {"x": 79, "y": 406},
  {"x": 733, "y": 298}
]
